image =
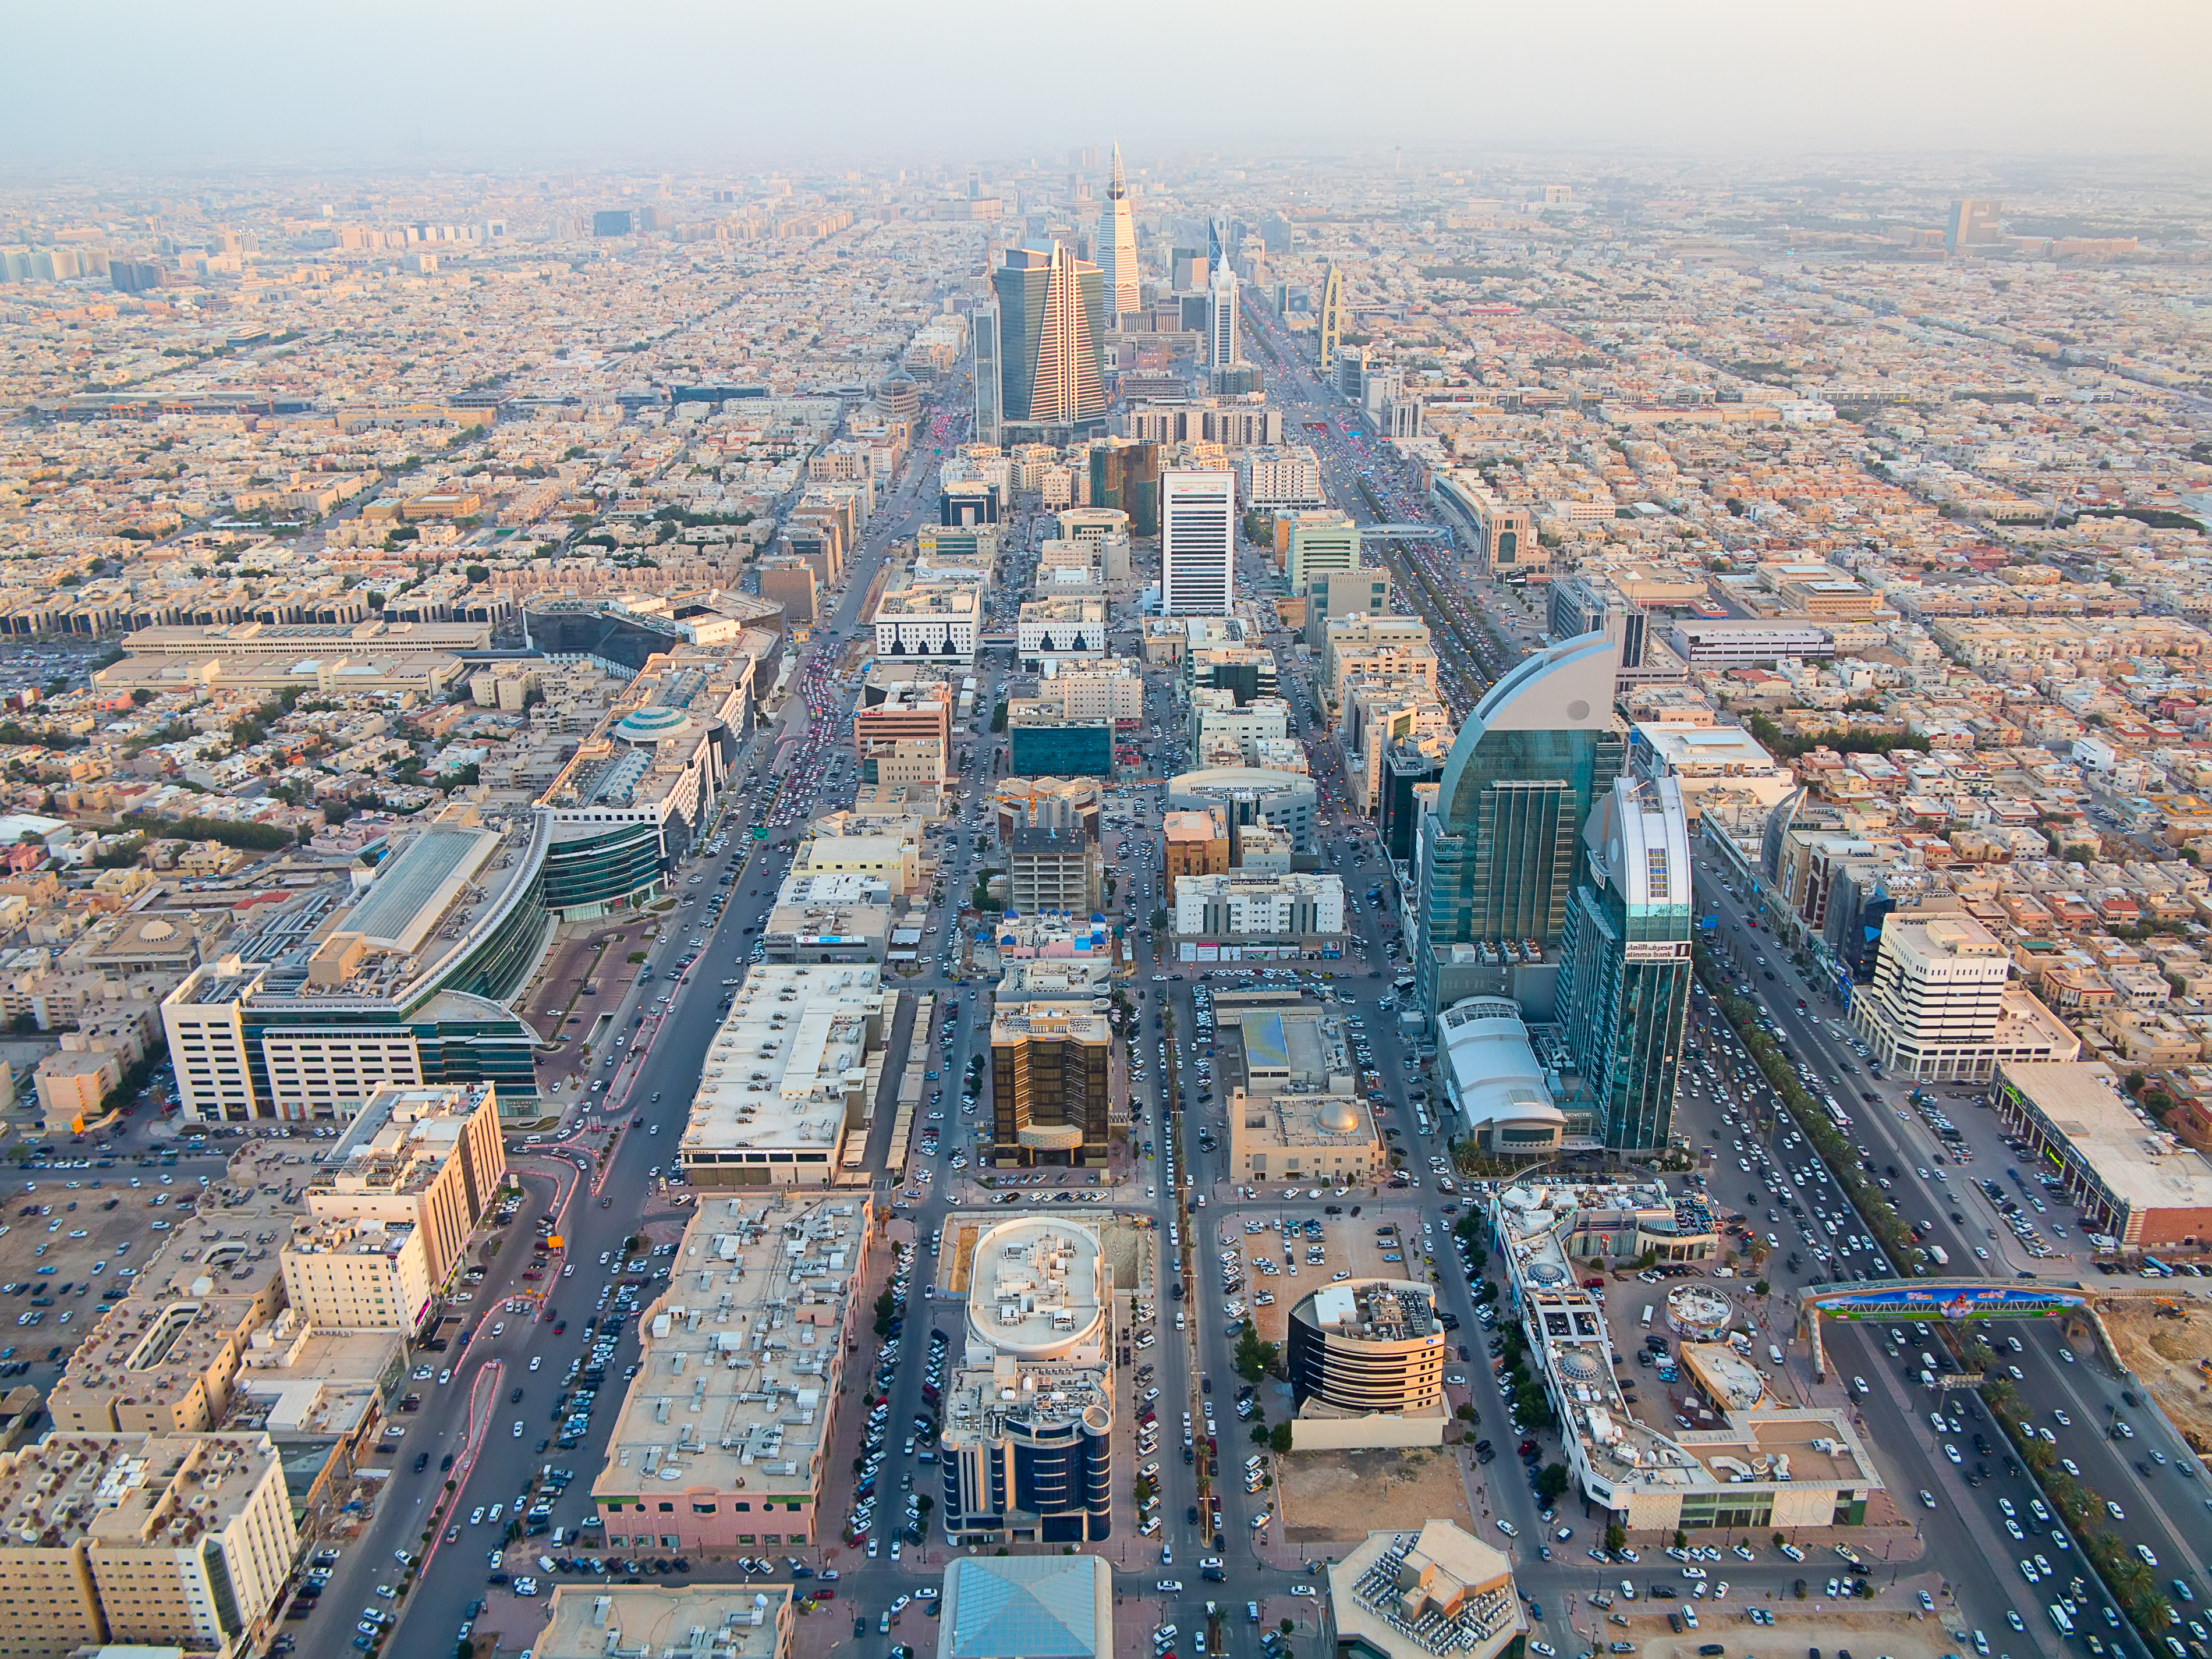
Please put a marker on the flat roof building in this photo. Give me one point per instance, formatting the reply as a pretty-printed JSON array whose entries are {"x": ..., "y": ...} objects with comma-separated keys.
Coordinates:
[
  {"x": 1503, "y": 1091},
  {"x": 1747, "y": 644},
  {"x": 715, "y": 1621},
  {"x": 783, "y": 1082},
  {"x": 1940, "y": 1007},
  {"x": 1330, "y": 1137},
  {"x": 2135, "y": 1182},
  {"x": 1440, "y": 1594},
  {"x": 431, "y": 1159},
  {"x": 142, "y": 1541},
  {"x": 723, "y": 1440}
]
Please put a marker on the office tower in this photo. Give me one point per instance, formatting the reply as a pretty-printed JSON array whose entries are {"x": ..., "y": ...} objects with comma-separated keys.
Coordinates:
[
  {"x": 1052, "y": 307},
  {"x": 1050, "y": 1104},
  {"x": 1497, "y": 855},
  {"x": 983, "y": 336},
  {"x": 1197, "y": 543},
  {"x": 1117, "y": 245},
  {"x": 1317, "y": 541},
  {"x": 1221, "y": 320},
  {"x": 1332, "y": 319},
  {"x": 1625, "y": 961},
  {"x": 1213, "y": 253},
  {"x": 1974, "y": 224},
  {"x": 1591, "y": 605}
]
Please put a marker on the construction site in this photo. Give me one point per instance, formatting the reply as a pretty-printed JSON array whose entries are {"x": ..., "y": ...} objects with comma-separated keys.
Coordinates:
[{"x": 2167, "y": 1345}]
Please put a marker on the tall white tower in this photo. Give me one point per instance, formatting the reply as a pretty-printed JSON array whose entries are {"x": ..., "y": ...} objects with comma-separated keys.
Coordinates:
[
  {"x": 1221, "y": 332},
  {"x": 1197, "y": 543},
  {"x": 1117, "y": 244}
]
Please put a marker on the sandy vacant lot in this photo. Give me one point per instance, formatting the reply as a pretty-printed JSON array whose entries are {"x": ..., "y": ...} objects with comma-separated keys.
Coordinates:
[
  {"x": 1341, "y": 1497},
  {"x": 2164, "y": 1353}
]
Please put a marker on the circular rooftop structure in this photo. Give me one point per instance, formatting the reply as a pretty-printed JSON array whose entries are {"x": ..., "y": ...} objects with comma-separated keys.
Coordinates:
[
  {"x": 1036, "y": 1288},
  {"x": 1701, "y": 1315},
  {"x": 1578, "y": 1366},
  {"x": 655, "y": 724},
  {"x": 1548, "y": 1275},
  {"x": 1339, "y": 1117}
]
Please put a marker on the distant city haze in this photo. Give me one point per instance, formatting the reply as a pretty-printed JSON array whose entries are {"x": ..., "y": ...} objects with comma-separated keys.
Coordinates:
[{"x": 253, "y": 80}]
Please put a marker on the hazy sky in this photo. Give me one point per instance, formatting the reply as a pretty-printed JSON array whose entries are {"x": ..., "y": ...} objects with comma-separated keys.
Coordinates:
[{"x": 681, "y": 81}]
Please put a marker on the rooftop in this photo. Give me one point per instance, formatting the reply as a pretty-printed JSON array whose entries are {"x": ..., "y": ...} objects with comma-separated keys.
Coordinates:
[
  {"x": 786, "y": 1068},
  {"x": 2140, "y": 1165},
  {"x": 739, "y": 1356},
  {"x": 648, "y": 1621},
  {"x": 1037, "y": 1289},
  {"x": 1027, "y": 1607}
]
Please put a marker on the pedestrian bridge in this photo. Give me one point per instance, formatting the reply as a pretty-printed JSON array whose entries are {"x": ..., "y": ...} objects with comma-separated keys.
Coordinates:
[
  {"x": 1900, "y": 1301},
  {"x": 1404, "y": 533}
]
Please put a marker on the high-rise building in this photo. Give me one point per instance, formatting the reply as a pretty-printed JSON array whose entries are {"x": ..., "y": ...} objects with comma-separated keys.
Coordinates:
[
  {"x": 1591, "y": 605},
  {"x": 1052, "y": 306},
  {"x": 1974, "y": 224},
  {"x": 1197, "y": 543},
  {"x": 1331, "y": 332},
  {"x": 983, "y": 333},
  {"x": 1497, "y": 854},
  {"x": 1625, "y": 969},
  {"x": 1117, "y": 245},
  {"x": 1940, "y": 1009},
  {"x": 1222, "y": 344},
  {"x": 1050, "y": 1102}
]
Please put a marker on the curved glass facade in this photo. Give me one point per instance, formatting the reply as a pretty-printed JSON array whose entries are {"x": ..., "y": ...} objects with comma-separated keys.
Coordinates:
[{"x": 592, "y": 873}]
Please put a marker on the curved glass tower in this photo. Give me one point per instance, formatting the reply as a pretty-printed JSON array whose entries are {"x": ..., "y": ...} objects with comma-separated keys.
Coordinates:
[
  {"x": 1497, "y": 854},
  {"x": 1625, "y": 967}
]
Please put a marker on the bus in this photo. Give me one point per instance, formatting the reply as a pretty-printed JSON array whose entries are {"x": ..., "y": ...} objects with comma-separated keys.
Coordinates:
[{"x": 1837, "y": 1115}]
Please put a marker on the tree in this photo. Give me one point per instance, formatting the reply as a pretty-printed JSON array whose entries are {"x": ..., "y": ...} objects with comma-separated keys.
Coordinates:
[
  {"x": 1681, "y": 1539},
  {"x": 1279, "y": 1438},
  {"x": 1778, "y": 1541},
  {"x": 886, "y": 1304},
  {"x": 1255, "y": 1358},
  {"x": 1260, "y": 1436},
  {"x": 1551, "y": 1482},
  {"x": 1286, "y": 1626},
  {"x": 1616, "y": 1538}
]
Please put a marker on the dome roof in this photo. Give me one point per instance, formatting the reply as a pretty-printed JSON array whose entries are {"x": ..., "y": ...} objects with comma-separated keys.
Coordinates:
[
  {"x": 1339, "y": 1117},
  {"x": 655, "y": 724}
]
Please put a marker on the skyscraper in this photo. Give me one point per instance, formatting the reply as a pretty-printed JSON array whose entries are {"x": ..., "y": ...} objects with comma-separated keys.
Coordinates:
[
  {"x": 1222, "y": 345},
  {"x": 1052, "y": 306},
  {"x": 1117, "y": 244},
  {"x": 1974, "y": 224},
  {"x": 983, "y": 337},
  {"x": 1197, "y": 543},
  {"x": 1625, "y": 961},
  {"x": 1332, "y": 319},
  {"x": 1497, "y": 855}
]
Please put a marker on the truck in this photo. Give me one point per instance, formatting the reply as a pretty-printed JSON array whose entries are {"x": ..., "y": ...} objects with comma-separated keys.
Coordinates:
[{"x": 1938, "y": 1254}]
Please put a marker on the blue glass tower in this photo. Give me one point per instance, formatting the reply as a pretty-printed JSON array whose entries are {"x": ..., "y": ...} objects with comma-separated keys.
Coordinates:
[
  {"x": 1626, "y": 966},
  {"x": 1496, "y": 855}
]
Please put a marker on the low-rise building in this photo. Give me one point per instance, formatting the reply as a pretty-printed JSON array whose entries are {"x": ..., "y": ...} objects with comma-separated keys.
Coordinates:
[
  {"x": 723, "y": 1440},
  {"x": 1302, "y": 910},
  {"x": 1768, "y": 1467},
  {"x": 1443, "y": 1594},
  {"x": 1329, "y": 1138},
  {"x": 929, "y": 624},
  {"x": 2138, "y": 1184},
  {"x": 1027, "y": 1607},
  {"x": 784, "y": 1080},
  {"x": 358, "y": 1275},
  {"x": 715, "y": 1621}
]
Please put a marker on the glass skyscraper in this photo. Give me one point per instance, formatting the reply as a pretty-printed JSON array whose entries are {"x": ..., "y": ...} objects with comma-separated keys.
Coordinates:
[
  {"x": 1624, "y": 972},
  {"x": 984, "y": 334},
  {"x": 1051, "y": 309},
  {"x": 1497, "y": 854}
]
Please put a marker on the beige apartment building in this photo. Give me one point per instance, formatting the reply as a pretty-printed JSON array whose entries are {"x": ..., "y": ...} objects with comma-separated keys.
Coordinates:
[
  {"x": 362, "y": 1275},
  {"x": 430, "y": 1158},
  {"x": 1303, "y": 1137},
  {"x": 178, "y": 1540}
]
